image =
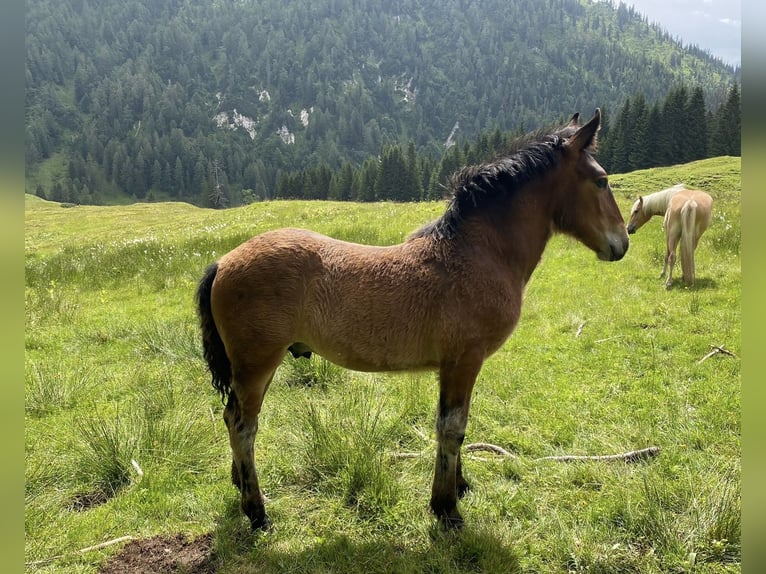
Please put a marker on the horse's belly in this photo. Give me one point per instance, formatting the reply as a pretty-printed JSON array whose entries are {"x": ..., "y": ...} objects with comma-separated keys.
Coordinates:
[{"x": 371, "y": 357}]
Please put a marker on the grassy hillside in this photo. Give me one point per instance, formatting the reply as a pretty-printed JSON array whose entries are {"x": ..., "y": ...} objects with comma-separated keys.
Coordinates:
[
  {"x": 128, "y": 100},
  {"x": 124, "y": 435}
]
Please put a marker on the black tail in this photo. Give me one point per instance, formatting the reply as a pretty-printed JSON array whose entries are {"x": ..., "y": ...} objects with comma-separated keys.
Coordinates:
[{"x": 212, "y": 345}]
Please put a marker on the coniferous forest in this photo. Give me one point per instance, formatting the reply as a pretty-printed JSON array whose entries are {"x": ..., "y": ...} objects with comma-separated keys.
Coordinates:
[{"x": 226, "y": 102}]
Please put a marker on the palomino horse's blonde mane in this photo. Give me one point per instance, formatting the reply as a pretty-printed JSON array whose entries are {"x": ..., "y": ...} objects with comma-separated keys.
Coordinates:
[{"x": 657, "y": 203}]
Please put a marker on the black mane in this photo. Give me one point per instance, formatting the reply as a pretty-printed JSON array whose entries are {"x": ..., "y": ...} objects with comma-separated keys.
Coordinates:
[{"x": 478, "y": 187}]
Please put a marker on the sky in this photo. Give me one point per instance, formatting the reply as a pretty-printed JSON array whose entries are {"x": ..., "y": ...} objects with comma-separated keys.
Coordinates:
[{"x": 712, "y": 25}]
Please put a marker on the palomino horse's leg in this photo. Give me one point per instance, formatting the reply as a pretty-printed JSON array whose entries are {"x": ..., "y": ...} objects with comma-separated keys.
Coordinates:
[
  {"x": 670, "y": 260},
  {"x": 241, "y": 417},
  {"x": 456, "y": 382}
]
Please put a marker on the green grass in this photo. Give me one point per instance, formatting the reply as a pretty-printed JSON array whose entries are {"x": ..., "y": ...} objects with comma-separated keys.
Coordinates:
[{"x": 124, "y": 434}]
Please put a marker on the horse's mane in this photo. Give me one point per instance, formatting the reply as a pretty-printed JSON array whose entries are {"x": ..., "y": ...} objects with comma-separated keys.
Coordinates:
[{"x": 477, "y": 187}]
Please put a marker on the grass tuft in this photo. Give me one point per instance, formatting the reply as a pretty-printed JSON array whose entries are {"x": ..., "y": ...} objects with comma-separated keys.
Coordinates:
[
  {"x": 107, "y": 445},
  {"x": 346, "y": 441}
]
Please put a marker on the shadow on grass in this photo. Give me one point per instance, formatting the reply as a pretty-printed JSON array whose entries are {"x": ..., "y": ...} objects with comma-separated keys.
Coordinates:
[
  {"x": 700, "y": 284},
  {"x": 473, "y": 549}
]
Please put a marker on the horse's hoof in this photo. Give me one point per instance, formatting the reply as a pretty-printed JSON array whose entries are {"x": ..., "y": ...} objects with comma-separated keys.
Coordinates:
[
  {"x": 462, "y": 489},
  {"x": 262, "y": 524},
  {"x": 448, "y": 516},
  {"x": 454, "y": 522}
]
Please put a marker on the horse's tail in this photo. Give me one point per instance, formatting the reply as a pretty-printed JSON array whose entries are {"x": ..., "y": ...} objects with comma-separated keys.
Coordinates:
[
  {"x": 212, "y": 344},
  {"x": 688, "y": 229}
]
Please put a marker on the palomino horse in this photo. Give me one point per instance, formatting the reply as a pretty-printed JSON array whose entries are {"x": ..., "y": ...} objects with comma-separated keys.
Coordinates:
[
  {"x": 687, "y": 214},
  {"x": 444, "y": 300}
]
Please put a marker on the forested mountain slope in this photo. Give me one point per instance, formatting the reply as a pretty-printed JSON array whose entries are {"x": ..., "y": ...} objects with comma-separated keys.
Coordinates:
[{"x": 175, "y": 97}]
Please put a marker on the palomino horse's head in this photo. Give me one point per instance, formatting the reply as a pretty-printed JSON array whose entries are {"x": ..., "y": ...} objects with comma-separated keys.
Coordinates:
[
  {"x": 637, "y": 216},
  {"x": 589, "y": 211}
]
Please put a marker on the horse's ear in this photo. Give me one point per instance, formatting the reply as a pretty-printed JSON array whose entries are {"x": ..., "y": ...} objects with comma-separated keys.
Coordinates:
[
  {"x": 574, "y": 122},
  {"x": 585, "y": 137}
]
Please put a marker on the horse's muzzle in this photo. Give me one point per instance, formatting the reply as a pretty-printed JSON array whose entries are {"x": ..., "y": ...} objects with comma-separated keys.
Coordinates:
[{"x": 618, "y": 247}]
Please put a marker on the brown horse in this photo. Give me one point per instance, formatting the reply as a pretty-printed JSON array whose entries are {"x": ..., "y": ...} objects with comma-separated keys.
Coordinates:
[
  {"x": 444, "y": 300},
  {"x": 687, "y": 214}
]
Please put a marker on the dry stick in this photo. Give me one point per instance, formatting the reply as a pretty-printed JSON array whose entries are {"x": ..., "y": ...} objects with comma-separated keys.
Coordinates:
[
  {"x": 609, "y": 339},
  {"x": 82, "y": 550},
  {"x": 715, "y": 351},
  {"x": 631, "y": 456},
  {"x": 212, "y": 420},
  {"x": 105, "y": 544},
  {"x": 580, "y": 328},
  {"x": 489, "y": 448}
]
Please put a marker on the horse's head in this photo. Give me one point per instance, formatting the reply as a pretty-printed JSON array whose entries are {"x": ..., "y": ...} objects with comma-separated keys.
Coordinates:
[
  {"x": 637, "y": 216},
  {"x": 589, "y": 211}
]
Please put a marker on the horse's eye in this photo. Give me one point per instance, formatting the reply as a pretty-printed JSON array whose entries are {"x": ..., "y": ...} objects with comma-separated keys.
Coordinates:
[{"x": 602, "y": 182}]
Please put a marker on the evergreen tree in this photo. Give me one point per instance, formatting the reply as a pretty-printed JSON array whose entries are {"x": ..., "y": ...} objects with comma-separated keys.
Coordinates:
[
  {"x": 413, "y": 183},
  {"x": 341, "y": 185},
  {"x": 636, "y": 140},
  {"x": 392, "y": 180},
  {"x": 620, "y": 140},
  {"x": 653, "y": 137},
  {"x": 676, "y": 145},
  {"x": 365, "y": 179},
  {"x": 696, "y": 125},
  {"x": 726, "y": 136}
]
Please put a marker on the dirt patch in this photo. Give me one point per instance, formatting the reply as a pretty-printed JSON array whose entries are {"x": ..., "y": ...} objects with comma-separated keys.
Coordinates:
[{"x": 170, "y": 554}]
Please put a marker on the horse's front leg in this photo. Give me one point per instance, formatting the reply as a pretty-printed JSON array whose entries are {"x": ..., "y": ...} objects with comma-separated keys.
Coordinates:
[
  {"x": 456, "y": 380},
  {"x": 463, "y": 486}
]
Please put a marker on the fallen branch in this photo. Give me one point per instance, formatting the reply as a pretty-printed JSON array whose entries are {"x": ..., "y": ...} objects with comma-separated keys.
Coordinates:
[
  {"x": 580, "y": 328},
  {"x": 82, "y": 550},
  {"x": 105, "y": 544},
  {"x": 406, "y": 454},
  {"x": 715, "y": 351},
  {"x": 488, "y": 448},
  {"x": 632, "y": 456},
  {"x": 608, "y": 339}
]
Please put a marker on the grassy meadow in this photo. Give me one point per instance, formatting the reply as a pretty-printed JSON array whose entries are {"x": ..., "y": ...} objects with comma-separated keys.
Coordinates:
[{"x": 124, "y": 434}]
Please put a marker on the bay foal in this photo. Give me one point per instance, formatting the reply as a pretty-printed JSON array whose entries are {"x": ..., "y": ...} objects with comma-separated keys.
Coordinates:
[{"x": 444, "y": 300}]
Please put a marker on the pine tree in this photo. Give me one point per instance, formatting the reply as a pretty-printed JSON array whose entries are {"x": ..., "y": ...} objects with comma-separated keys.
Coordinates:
[
  {"x": 620, "y": 140},
  {"x": 696, "y": 125},
  {"x": 726, "y": 136},
  {"x": 639, "y": 124}
]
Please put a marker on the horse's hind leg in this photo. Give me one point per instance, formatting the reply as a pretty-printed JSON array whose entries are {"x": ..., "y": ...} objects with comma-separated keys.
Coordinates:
[
  {"x": 670, "y": 256},
  {"x": 670, "y": 259},
  {"x": 241, "y": 416},
  {"x": 456, "y": 383}
]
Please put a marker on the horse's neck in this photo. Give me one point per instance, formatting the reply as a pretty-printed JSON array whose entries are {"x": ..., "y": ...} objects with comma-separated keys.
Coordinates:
[
  {"x": 518, "y": 240},
  {"x": 657, "y": 203}
]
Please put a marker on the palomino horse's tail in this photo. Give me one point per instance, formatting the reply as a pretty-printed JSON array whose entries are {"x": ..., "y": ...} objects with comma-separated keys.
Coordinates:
[
  {"x": 688, "y": 231},
  {"x": 212, "y": 345}
]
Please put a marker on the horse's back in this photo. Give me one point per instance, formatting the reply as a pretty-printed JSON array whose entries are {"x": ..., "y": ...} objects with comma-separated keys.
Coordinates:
[
  {"x": 368, "y": 308},
  {"x": 702, "y": 202},
  {"x": 699, "y": 196},
  {"x": 360, "y": 306}
]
